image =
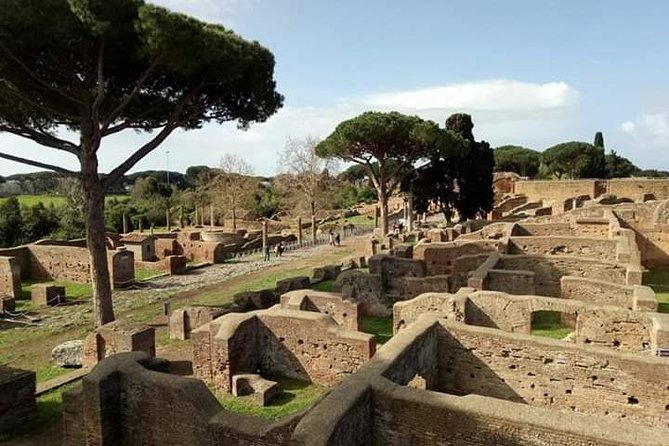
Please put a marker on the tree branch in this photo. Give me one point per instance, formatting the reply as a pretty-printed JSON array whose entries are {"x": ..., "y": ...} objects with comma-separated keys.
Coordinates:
[
  {"x": 121, "y": 169},
  {"x": 126, "y": 101},
  {"x": 43, "y": 138},
  {"x": 34, "y": 76},
  {"x": 95, "y": 109},
  {"x": 37, "y": 164}
]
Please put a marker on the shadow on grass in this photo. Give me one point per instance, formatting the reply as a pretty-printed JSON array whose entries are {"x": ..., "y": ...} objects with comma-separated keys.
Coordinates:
[{"x": 380, "y": 327}]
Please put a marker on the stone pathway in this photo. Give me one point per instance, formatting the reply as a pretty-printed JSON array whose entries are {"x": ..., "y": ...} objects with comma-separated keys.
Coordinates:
[{"x": 80, "y": 313}]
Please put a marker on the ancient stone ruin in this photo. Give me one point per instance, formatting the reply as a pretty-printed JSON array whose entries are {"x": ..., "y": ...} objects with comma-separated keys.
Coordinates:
[{"x": 463, "y": 368}]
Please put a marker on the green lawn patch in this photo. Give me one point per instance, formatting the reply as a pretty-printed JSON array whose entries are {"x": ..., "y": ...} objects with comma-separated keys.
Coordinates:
[
  {"x": 358, "y": 220},
  {"x": 294, "y": 397},
  {"x": 145, "y": 273},
  {"x": 548, "y": 324},
  {"x": 659, "y": 282},
  {"x": 73, "y": 290},
  {"x": 380, "y": 327},
  {"x": 48, "y": 200},
  {"x": 325, "y": 285}
]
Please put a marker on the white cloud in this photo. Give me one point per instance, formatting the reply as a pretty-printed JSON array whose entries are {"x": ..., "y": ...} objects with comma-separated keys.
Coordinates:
[
  {"x": 537, "y": 123},
  {"x": 629, "y": 127},
  {"x": 491, "y": 95},
  {"x": 649, "y": 127}
]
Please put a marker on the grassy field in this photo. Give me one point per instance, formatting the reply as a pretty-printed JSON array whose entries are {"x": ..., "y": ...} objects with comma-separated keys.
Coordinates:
[
  {"x": 659, "y": 282},
  {"x": 325, "y": 285},
  {"x": 549, "y": 325},
  {"x": 294, "y": 396},
  {"x": 380, "y": 327},
  {"x": 48, "y": 200}
]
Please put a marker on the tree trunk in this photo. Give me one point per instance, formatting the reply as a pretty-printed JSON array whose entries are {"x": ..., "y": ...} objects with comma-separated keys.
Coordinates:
[
  {"x": 103, "y": 309},
  {"x": 167, "y": 219},
  {"x": 382, "y": 192},
  {"x": 234, "y": 220},
  {"x": 313, "y": 228}
]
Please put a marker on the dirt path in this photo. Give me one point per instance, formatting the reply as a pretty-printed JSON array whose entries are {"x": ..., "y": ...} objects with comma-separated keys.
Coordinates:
[{"x": 30, "y": 347}]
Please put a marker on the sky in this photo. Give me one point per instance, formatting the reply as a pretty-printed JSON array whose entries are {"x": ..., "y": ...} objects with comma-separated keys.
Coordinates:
[{"x": 530, "y": 72}]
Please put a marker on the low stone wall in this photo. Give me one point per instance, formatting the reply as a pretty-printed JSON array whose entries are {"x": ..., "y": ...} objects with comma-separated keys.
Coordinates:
[
  {"x": 303, "y": 345},
  {"x": 635, "y": 187},
  {"x": 548, "y": 270},
  {"x": 634, "y": 297},
  {"x": 439, "y": 258},
  {"x": 118, "y": 337},
  {"x": 343, "y": 311},
  {"x": 556, "y": 190},
  {"x": 381, "y": 405},
  {"x": 523, "y": 229},
  {"x": 393, "y": 270},
  {"x": 510, "y": 281},
  {"x": 601, "y": 249},
  {"x": 183, "y": 321},
  {"x": 543, "y": 372},
  {"x": 365, "y": 289},
  {"x": 605, "y": 326}
]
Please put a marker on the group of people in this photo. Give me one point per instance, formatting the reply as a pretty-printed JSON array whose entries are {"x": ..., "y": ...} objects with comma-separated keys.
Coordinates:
[
  {"x": 278, "y": 250},
  {"x": 335, "y": 239}
]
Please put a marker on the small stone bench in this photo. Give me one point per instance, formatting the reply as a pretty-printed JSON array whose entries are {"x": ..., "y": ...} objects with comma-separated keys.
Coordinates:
[
  {"x": 262, "y": 390},
  {"x": 42, "y": 294}
]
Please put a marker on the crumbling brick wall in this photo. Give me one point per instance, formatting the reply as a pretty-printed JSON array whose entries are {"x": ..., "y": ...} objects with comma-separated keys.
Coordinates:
[
  {"x": 548, "y": 270},
  {"x": 552, "y": 190},
  {"x": 548, "y": 373},
  {"x": 601, "y": 249},
  {"x": 393, "y": 270},
  {"x": 10, "y": 277},
  {"x": 303, "y": 345},
  {"x": 343, "y": 311},
  {"x": 632, "y": 297},
  {"x": 440, "y": 257}
]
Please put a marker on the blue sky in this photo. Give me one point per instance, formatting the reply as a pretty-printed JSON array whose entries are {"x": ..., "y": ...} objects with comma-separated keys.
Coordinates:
[{"x": 533, "y": 73}]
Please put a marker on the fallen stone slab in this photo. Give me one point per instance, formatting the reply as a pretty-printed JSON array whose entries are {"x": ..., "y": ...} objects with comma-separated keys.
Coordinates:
[{"x": 68, "y": 354}]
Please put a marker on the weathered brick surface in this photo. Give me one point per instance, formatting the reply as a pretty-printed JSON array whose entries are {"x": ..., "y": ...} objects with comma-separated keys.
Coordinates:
[
  {"x": 601, "y": 249},
  {"x": 17, "y": 397},
  {"x": 43, "y": 294},
  {"x": 298, "y": 344},
  {"x": 440, "y": 257},
  {"x": 555, "y": 374},
  {"x": 118, "y": 337},
  {"x": 343, "y": 311},
  {"x": 184, "y": 320},
  {"x": 10, "y": 277},
  {"x": 366, "y": 289}
]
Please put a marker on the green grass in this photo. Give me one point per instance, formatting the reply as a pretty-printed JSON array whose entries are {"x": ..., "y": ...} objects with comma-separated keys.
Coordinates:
[
  {"x": 325, "y": 285},
  {"x": 267, "y": 281},
  {"x": 47, "y": 372},
  {"x": 49, "y": 411},
  {"x": 48, "y": 200},
  {"x": 659, "y": 282},
  {"x": 548, "y": 324},
  {"x": 358, "y": 220},
  {"x": 294, "y": 396},
  {"x": 145, "y": 273},
  {"x": 380, "y": 327},
  {"x": 73, "y": 290}
]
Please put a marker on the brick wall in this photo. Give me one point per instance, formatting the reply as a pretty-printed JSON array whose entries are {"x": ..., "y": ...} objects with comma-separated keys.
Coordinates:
[
  {"x": 597, "y": 248},
  {"x": 555, "y": 374},
  {"x": 343, "y": 311},
  {"x": 552, "y": 190}
]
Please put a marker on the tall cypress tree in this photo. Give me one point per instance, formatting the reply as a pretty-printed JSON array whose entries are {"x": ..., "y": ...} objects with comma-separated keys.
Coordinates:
[{"x": 599, "y": 140}]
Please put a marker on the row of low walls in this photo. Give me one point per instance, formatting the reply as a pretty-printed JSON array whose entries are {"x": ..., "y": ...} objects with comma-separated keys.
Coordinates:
[
  {"x": 606, "y": 326},
  {"x": 303, "y": 345},
  {"x": 601, "y": 292},
  {"x": 637, "y": 187},
  {"x": 557, "y": 190},
  {"x": 549, "y": 270},
  {"x": 439, "y": 258},
  {"x": 402, "y": 395},
  {"x": 596, "y": 248},
  {"x": 65, "y": 263}
]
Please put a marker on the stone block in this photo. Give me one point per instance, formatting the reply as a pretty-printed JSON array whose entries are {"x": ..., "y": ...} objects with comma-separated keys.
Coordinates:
[
  {"x": 184, "y": 320},
  {"x": 292, "y": 283},
  {"x": 17, "y": 397},
  {"x": 68, "y": 354},
  {"x": 261, "y": 390},
  {"x": 118, "y": 337},
  {"x": 43, "y": 294},
  {"x": 175, "y": 264},
  {"x": 10, "y": 276},
  {"x": 256, "y": 300},
  {"x": 403, "y": 251},
  {"x": 7, "y": 303},
  {"x": 328, "y": 272}
]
